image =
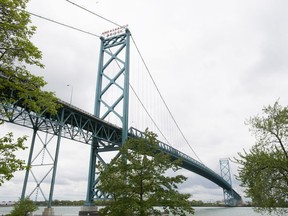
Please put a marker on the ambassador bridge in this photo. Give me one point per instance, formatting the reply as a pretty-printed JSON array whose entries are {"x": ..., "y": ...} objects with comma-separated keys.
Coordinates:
[{"x": 108, "y": 127}]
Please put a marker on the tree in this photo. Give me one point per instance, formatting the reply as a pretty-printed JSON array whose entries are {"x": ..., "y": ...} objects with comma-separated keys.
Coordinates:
[
  {"x": 17, "y": 85},
  {"x": 17, "y": 51},
  {"x": 264, "y": 169},
  {"x": 136, "y": 181},
  {"x": 8, "y": 161},
  {"x": 23, "y": 207}
]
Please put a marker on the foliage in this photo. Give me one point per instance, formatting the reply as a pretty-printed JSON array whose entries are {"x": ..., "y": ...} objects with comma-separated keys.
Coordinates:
[
  {"x": 271, "y": 130},
  {"x": 17, "y": 51},
  {"x": 8, "y": 161},
  {"x": 136, "y": 181},
  {"x": 264, "y": 169},
  {"x": 16, "y": 33},
  {"x": 17, "y": 84},
  {"x": 23, "y": 208}
]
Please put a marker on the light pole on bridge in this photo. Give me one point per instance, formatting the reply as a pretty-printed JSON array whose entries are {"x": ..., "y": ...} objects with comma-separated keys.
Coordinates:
[{"x": 71, "y": 92}]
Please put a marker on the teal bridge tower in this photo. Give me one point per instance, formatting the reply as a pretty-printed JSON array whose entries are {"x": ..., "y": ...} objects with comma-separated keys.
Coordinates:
[
  {"x": 113, "y": 51},
  {"x": 94, "y": 129}
]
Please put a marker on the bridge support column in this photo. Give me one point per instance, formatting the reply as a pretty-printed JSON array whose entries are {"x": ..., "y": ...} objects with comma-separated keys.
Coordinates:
[
  {"x": 29, "y": 163},
  {"x": 114, "y": 54},
  {"x": 91, "y": 178},
  {"x": 229, "y": 199},
  {"x": 88, "y": 210},
  {"x": 55, "y": 162}
]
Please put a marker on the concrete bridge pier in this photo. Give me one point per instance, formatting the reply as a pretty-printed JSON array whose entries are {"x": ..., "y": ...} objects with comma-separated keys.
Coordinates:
[
  {"x": 89, "y": 211},
  {"x": 48, "y": 212}
]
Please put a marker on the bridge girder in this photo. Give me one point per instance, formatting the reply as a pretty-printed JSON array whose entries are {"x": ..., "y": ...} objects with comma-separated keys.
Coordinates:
[
  {"x": 77, "y": 124},
  {"x": 81, "y": 126}
]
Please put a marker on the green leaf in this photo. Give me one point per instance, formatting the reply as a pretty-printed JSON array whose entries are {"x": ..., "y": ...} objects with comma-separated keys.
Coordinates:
[
  {"x": 264, "y": 168},
  {"x": 137, "y": 181}
]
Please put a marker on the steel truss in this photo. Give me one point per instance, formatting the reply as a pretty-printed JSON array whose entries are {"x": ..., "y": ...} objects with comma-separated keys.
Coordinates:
[
  {"x": 111, "y": 100},
  {"x": 71, "y": 123},
  {"x": 75, "y": 124},
  {"x": 229, "y": 194}
]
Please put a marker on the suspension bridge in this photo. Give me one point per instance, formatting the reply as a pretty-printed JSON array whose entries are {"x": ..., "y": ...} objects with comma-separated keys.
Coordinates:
[{"x": 96, "y": 130}]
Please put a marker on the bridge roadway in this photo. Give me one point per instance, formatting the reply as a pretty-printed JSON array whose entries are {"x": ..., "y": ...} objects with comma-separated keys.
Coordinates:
[{"x": 82, "y": 126}]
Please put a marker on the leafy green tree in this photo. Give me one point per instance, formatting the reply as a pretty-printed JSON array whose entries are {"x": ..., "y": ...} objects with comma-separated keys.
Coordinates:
[
  {"x": 136, "y": 181},
  {"x": 17, "y": 51},
  {"x": 17, "y": 84},
  {"x": 264, "y": 169},
  {"x": 23, "y": 207},
  {"x": 8, "y": 161}
]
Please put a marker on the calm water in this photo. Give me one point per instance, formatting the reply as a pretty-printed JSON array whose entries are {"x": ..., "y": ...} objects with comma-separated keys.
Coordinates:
[{"x": 200, "y": 211}]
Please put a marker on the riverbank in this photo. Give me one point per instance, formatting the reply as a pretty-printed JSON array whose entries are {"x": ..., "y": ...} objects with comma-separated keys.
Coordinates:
[{"x": 199, "y": 211}]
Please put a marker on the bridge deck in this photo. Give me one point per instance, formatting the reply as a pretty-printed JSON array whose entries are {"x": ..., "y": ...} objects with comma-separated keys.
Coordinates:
[{"x": 82, "y": 126}]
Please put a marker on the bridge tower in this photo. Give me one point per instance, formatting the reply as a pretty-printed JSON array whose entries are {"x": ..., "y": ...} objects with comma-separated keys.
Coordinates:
[
  {"x": 229, "y": 198},
  {"x": 111, "y": 101}
]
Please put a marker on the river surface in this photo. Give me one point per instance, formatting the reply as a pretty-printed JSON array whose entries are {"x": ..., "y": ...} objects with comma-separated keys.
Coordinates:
[{"x": 199, "y": 211}]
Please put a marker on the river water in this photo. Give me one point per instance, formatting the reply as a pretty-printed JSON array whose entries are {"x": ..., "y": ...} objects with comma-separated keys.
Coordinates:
[{"x": 199, "y": 211}]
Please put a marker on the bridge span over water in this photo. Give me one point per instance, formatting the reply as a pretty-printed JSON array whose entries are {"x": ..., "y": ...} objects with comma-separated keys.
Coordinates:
[
  {"x": 94, "y": 129},
  {"x": 78, "y": 125}
]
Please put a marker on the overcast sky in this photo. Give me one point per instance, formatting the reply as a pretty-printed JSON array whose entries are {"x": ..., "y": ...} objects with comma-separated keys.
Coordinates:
[{"x": 216, "y": 63}]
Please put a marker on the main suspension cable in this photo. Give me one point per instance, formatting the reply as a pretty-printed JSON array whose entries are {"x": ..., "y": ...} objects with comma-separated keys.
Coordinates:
[
  {"x": 62, "y": 24},
  {"x": 79, "y": 6},
  {"x": 163, "y": 99}
]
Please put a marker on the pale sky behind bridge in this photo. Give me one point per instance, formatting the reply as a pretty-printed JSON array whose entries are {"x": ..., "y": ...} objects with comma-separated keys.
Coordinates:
[{"x": 216, "y": 64}]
